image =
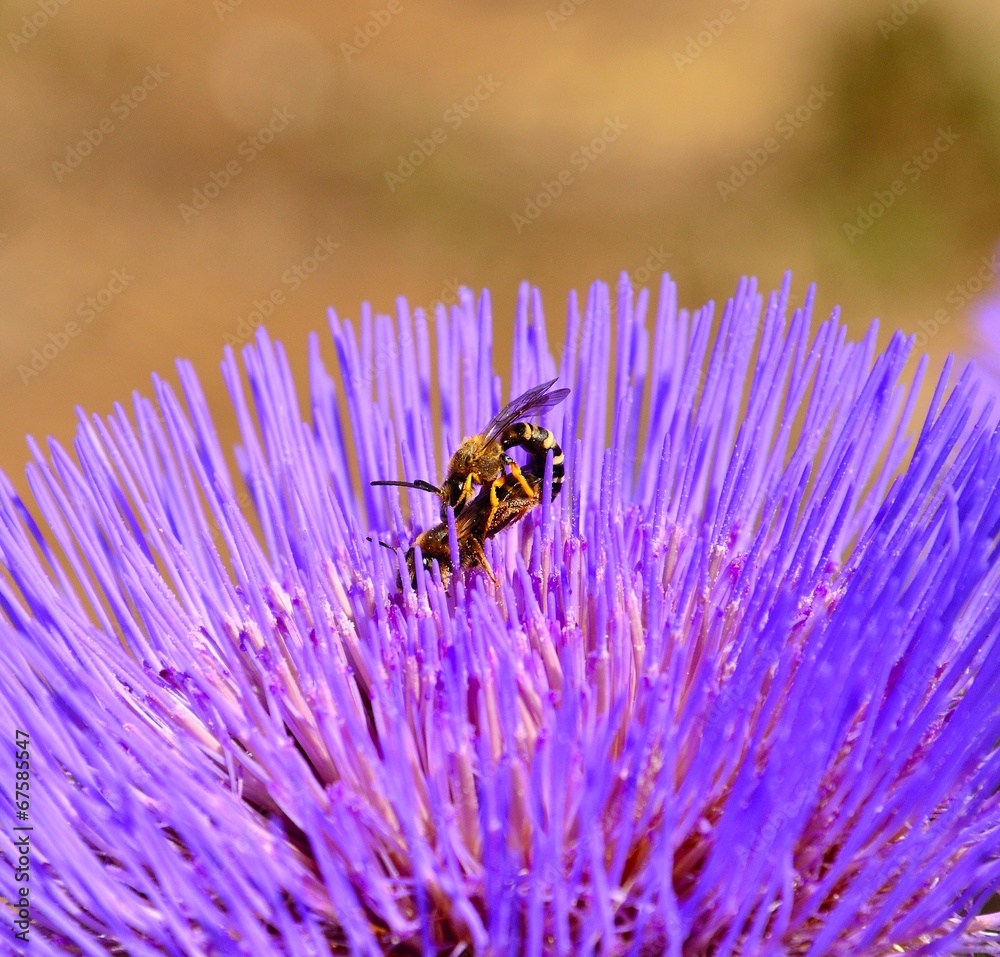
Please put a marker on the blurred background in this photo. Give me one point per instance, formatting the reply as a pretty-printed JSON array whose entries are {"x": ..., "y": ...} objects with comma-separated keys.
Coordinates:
[{"x": 174, "y": 172}]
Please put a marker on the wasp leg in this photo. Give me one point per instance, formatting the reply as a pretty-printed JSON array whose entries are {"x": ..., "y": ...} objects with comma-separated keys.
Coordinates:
[
  {"x": 466, "y": 495},
  {"x": 515, "y": 470},
  {"x": 477, "y": 548},
  {"x": 494, "y": 504}
]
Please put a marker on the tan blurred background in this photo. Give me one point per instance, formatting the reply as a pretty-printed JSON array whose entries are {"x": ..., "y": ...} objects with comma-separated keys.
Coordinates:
[{"x": 167, "y": 166}]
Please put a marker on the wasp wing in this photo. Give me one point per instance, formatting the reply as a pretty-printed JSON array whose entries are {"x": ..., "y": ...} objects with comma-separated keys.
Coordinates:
[
  {"x": 536, "y": 399},
  {"x": 471, "y": 522}
]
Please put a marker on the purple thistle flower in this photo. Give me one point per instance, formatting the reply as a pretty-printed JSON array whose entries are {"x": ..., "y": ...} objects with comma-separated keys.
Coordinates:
[{"x": 735, "y": 694}]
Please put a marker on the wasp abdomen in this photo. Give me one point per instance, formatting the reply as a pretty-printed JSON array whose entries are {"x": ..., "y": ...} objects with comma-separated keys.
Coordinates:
[{"x": 537, "y": 442}]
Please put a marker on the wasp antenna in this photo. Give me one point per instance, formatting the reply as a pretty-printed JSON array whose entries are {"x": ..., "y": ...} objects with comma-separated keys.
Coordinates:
[
  {"x": 419, "y": 484},
  {"x": 368, "y": 538}
]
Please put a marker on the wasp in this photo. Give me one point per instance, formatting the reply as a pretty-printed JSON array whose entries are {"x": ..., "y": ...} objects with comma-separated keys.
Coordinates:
[
  {"x": 481, "y": 519},
  {"x": 490, "y": 512},
  {"x": 482, "y": 459}
]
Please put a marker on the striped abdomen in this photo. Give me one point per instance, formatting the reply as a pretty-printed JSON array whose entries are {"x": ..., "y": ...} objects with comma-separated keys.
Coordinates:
[{"x": 537, "y": 442}]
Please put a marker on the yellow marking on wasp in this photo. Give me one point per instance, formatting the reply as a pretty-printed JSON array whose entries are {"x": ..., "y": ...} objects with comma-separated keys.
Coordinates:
[
  {"x": 467, "y": 489},
  {"x": 494, "y": 504},
  {"x": 515, "y": 470}
]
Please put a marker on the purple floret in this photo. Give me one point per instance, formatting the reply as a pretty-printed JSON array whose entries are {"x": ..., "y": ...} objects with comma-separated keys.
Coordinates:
[{"x": 736, "y": 692}]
